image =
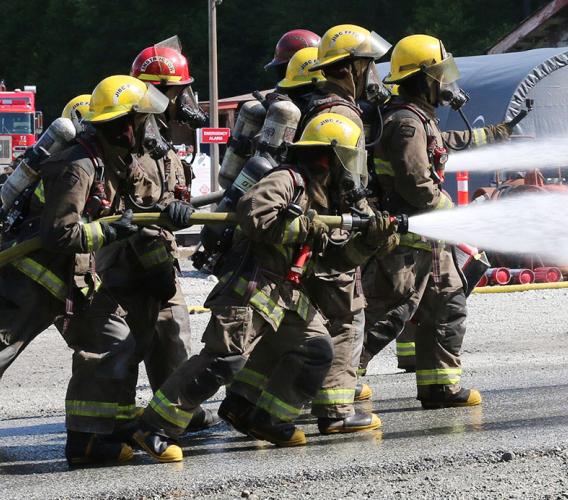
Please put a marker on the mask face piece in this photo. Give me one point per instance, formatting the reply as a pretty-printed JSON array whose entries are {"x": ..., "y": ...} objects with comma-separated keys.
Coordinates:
[
  {"x": 150, "y": 140},
  {"x": 119, "y": 134},
  {"x": 375, "y": 90}
]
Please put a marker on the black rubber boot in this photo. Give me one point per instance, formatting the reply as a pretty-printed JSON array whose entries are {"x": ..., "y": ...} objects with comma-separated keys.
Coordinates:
[
  {"x": 353, "y": 423},
  {"x": 267, "y": 428},
  {"x": 202, "y": 419},
  {"x": 157, "y": 445},
  {"x": 440, "y": 397},
  {"x": 84, "y": 448},
  {"x": 236, "y": 410}
]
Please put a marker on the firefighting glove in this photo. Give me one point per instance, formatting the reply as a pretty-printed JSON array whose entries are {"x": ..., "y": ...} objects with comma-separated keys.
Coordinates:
[
  {"x": 381, "y": 233},
  {"x": 501, "y": 132},
  {"x": 318, "y": 231},
  {"x": 179, "y": 213},
  {"x": 119, "y": 230}
]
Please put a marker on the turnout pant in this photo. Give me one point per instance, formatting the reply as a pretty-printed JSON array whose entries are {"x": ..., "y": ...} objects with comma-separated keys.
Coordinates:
[
  {"x": 102, "y": 350},
  {"x": 403, "y": 287},
  {"x": 171, "y": 343},
  {"x": 230, "y": 337},
  {"x": 334, "y": 398}
]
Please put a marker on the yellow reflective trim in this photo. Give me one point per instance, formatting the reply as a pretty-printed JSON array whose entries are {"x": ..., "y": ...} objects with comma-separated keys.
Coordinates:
[
  {"x": 291, "y": 232},
  {"x": 42, "y": 276},
  {"x": 334, "y": 397},
  {"x": 405, "y": 349},
  {"x": 413, "y": 240},
  {"x": 444, "y": 203},
  {"x": 383, "y": 167},
  {"x": 261, "y": 302},
  {"x": 277, "y": 407},
  {"x": 155, "y": 257},
  {"x": 127, "y": 412},
  {"x": 170, "y": 412},
  {"x": 93, "y": 236},
  {"x": 92, "y": 409},
  {"x": 479, "y": 137},
  {"x": 39, "y": 192},
  {"x": 251, "y": 377},
  {"x": 152, "y": 78},
  {"x": 438, "y": 376}
]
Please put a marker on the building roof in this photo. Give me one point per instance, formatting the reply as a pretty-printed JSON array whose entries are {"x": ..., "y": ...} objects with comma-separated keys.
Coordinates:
[{"x": 535, "y": 31}]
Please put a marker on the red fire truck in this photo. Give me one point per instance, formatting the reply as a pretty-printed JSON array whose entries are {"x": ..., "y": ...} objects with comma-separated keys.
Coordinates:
[{"x": 20, "y": 123}]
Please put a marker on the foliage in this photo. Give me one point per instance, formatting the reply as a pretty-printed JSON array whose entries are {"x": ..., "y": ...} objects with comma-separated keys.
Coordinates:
[{"x": 66, "y": 46}]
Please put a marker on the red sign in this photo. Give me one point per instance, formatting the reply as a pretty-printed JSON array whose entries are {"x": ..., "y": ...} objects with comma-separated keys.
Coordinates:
[{"x": 215, "y": 135}]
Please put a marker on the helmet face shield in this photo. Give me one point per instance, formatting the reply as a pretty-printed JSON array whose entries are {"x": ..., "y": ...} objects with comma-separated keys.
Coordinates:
[
  {"x": 354, "y": 166},
  {"x": 445, "y": 72},
  {"x": 152, "y": 102},
  {"x": 373, "y": 46},
  {"x": 170, "y": 43}
]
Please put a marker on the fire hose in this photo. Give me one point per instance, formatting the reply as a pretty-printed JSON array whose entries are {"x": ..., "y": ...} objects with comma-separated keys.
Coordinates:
[{"x": 22, "y": 249}]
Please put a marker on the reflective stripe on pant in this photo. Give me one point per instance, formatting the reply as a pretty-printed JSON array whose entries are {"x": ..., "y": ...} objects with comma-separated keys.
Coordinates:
[
  {"x": 335, "y": 398},
  {"x": 440, "y": 312},
  {"x": 441, "y": 328},
  {"x": 103, "y": 348},
  {"x": 171, "y": 344},
  {"x": 406, "y": 347},
  {"x": 231, "y": 335}
]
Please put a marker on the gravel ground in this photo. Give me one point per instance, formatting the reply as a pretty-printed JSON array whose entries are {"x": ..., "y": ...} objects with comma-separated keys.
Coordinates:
[{"x": 514, "y": 446}]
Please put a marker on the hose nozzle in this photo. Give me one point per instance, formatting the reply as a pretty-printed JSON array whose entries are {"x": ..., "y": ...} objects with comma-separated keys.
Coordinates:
[{"x": 401, "y": 222}]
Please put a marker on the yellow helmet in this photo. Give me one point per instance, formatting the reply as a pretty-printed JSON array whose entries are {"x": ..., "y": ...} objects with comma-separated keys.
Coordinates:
[
  {"x": 344, "y": 136},
  {"x": 120, "y": 95},
  {"x": 421, "y": 53},
  {"x": 348, "y": 40},
  {"x": 330, "y": 129},
  {"x": 76, "y": 109},
  {"x": 298, "y": 70}
]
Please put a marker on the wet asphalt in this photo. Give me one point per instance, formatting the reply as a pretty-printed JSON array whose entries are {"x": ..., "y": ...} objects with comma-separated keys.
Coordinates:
[{"x": 513, "y": 446}]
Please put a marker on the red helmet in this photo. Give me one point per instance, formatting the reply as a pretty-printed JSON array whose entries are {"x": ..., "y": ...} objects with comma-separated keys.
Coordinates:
[
  {"x": 161, "y": 66},
  {"x": 290, "y": 43}
]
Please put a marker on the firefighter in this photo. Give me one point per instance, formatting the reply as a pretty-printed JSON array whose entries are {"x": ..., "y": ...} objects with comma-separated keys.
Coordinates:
[
  {"x": 346, "y": 56},
  {"x": 59, "y": 283},
  {"x": 164, "y": 66},
  {"x": 420, "y": 278},
  {"x": 335, "y": 293},
  {"x": 290, "y": 43},
  {"x": 254, "y": 297}
]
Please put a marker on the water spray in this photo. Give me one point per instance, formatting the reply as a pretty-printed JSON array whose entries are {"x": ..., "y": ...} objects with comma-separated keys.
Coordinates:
[{"x": 530, "y": 224}]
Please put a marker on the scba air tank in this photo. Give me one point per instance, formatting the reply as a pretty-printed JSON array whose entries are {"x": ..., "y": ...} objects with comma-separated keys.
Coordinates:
[
  {"x": 217, "y": 238},
  {"x": 279, "y": 128},
  {"x": 54, "y": 139},
  {"x": 250, "y": 120}
]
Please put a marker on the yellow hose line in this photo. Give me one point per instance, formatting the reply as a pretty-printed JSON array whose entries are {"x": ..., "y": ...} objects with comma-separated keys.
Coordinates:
[
  {"x": 521, "y": 288},
  {"x": 197, "y": 309},
  {"x": 146, "y": 219}
]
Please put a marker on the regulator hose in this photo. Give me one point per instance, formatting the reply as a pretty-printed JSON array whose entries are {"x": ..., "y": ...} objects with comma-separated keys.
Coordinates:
[{"x": 469, "y": 129}]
